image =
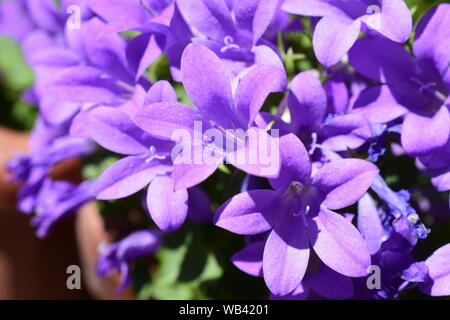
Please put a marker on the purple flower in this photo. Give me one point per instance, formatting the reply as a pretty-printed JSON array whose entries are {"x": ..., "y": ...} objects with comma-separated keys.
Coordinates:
[
  {"x": 12, "y": 11},
  {"x": 342, "y": 21},
  {"x": 218, "y": 107},
  {"x": 101, "y": 74},
  {"x": 320, "y": 278},
  {"x": 147, "y": 162},
  {"x": 298, "y": 214},
  {"x": 120, "y": 254},
  {"x": 432, "y": 275},
  {"x": 162, "y": 28},
  {"x": 32, "y": 170},
  {"x": 56, "y": 200},
  {"x": 231, "y": 29},
  {"x": 318, "y": 125},
  {"x": 416, "y": 89},
  {"x": 391, "y": 232}
]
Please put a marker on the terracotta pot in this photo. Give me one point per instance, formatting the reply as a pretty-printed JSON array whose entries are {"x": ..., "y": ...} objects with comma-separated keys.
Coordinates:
[
  {"x": 31, "y": 268},
  {"x": 91, "y": 232}
]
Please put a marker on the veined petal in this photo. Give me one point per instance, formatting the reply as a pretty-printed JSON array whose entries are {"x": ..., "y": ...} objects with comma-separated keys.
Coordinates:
[
  {"x": 369, "y": 223},
  {"x": 208, "y": 84},
  {"x": 167, "y": 207},
  {"x": 286, "y": 256},
  {"x": 339, "y": 244},
  {"x": 248, "y": 213},
  {"x": 260, "y": 156},
  {"x": 115, "y": 131},
  {"x": 333, "y": 37},
  {"x": 307, "y": 100},
  {"x": 378, "y": 105},
  {"x": 187, "y": 175},
  {"x": 254, "y": 89},
  {"x": 382, "y": 60},
  {"x": 119, "y": 10},
  {"x": 421, "y": 134},
  {"x": 161, "y": 91},
  {"x": 295, "y": 163},
  {"x": 344, "y": 181},
  {"x": 439, "y": 272},
  {"x": 165, "y": 118},
  {"x": 314, "y": 8},
  {"x": 432, "y": 37},
  {"x": 348, "y": 131},
  {"x": 264, "y": 15},
  {"x": 394, "y": 20},
  {"x": 127, "y": 176},
  {"x": 210, "y": 17}
]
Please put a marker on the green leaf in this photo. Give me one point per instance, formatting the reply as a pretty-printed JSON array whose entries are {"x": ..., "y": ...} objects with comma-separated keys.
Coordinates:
[{"x": 17, "y": 74}]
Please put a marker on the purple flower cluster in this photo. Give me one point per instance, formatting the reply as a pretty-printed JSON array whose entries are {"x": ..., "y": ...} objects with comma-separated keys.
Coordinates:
[{"x": 322, "y": 141}]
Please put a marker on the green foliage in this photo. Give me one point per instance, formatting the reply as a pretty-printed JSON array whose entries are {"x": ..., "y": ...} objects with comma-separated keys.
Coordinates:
[
  {"x": 16, "y": 74},
  {"x": 15, "y": 77}
]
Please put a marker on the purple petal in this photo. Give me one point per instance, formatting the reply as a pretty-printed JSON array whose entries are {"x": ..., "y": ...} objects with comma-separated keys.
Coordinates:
[
  {"x": 210, "y": 17},
  {"x": 394, "y": 21},
  {"x": 260, "y": 156},
  {"x": 434, "y": 132},
  {"x": 254, "y": 89},
  {"x": 295, "y": 163},
  {"x": 417, "y": 272},
  {"x": 439, "y": 272},
  {"x": 332, "y": 285},
  {"x": 187, "y": 175},
  {"x": 167, "y": 207},
  {"x": 163, "y": 119},
  {"x": 432, "y": 37},
  {"x": 85, "y": 84},
  {"x": 345, "y": 181},
  {"x": 378, "y": 105},
  {"x": 348, "y": 131},
  {"x": 339, "y": 244},
  {"x": 114, "y": 130},
  {"x": 286, "y": 256},
  {"x": 250, "y": 259},
  {"x": 244, "y": 12},
  {"x": 441, "y": 179},
  {"x": 127, "y": 176},
  {"x": 315, "y": 8},
  {"x": 141, "y": 52},
  {"x": 369, "y": 223},
  {"x": 161, "y": 91},
  {"x": 382, "y": 60},
  {"x": 105, "y": 50},
  {"x": 248, "y": 213},
  {"x": 333, "y": 37},
  {"x": 119, "y": 10},
  {"x": 300, "y": 293},
  {"x": 208, "y": 84},
  {"x": 338, "y": 95},
  {"x": 44, "y": 14},
  {"x": 307, "y": 100},
  {"x": 264, "y": 15}
]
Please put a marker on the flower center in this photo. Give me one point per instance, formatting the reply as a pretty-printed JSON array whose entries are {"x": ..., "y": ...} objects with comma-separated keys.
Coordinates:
[
  {"x": 429, "y": 88},
  {"x": 300, "y": 200},
  {"x": 152, "y": 155}
]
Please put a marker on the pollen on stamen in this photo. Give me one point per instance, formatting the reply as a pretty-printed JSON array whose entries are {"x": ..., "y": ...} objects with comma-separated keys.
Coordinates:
[
  {"x": 152, "y": 155},
  {"x": 229, "y": 44}
]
